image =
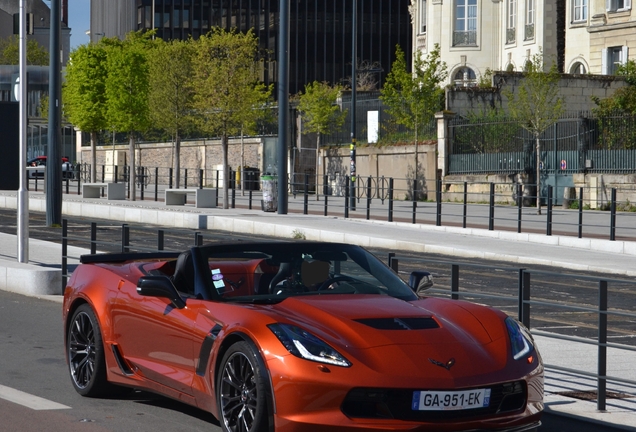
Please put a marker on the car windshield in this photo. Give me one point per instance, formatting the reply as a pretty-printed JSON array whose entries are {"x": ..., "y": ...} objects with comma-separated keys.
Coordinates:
[{"x": 271, "y": 272}]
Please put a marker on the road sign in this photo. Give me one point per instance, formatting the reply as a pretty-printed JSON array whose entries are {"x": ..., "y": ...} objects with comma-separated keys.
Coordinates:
[{"x": 564, "y": 164}]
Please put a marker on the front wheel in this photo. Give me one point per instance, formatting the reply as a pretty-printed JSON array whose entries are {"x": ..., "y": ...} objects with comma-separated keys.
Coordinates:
[
  {"x": 85, "y": 354},
  {"x": 242, "y": 391}
]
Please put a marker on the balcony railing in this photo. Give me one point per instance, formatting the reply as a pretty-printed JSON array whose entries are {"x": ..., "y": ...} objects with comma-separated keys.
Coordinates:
[
  {"x": 511, "y": 35},
  {"x": 465, "y": 38},
  {"x": 529, "y": 32}
]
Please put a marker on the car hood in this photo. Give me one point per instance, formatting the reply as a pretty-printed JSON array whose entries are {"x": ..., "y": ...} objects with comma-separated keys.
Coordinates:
[{"x": 380, "y": 328}]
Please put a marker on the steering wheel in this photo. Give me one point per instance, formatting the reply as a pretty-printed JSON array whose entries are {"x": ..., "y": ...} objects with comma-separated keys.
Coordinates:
[{"x": 333, "y": 280}]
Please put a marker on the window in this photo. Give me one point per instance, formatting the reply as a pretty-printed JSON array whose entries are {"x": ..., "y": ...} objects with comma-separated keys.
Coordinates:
[
  {"x": 578, "y": 68},
  {"x": 529, "y": 28},
  {"x": 511, "y": 21},
  {"x": 465, "y": 77},
  {"x": 465, "y": 32},
  {"x": 618, "y": 5},
  {"x": 422, "y": 17},
  {"x": 580, "y": 11},
  {"x": 612, "y": 58}
]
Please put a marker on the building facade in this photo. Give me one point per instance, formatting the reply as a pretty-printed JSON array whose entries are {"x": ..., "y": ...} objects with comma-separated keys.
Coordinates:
[
  {"x": 581, "y": 36},
  {"x": 320, "y": 31},
  {"x": 479, "y": 35}
]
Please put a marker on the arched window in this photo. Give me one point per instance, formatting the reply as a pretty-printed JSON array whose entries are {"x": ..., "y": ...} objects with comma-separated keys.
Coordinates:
[
  {"x": 465, "y": 77},
  {"x": 578, "y": 68}
]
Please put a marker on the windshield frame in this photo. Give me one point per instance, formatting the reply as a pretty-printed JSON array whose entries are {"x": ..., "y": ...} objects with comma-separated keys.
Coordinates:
[{"x": 275, "y": 252}]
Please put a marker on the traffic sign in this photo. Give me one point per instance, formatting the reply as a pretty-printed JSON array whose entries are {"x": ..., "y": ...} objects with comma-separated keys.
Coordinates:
[{"x": 564, "y": 164}]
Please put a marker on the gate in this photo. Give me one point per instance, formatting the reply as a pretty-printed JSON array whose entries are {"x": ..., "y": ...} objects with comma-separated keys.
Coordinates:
[{"x": 560, "y": 158}]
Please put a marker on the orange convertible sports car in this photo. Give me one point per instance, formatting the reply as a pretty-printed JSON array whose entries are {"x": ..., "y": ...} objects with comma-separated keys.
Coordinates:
[{"x": 298, "y": 336}]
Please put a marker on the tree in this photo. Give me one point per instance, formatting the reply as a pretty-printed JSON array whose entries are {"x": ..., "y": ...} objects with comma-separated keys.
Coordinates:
[
  {"x": 537, "y": 106},
  {"x": 171, "y": 91},
  {"x": 320, "y": 114},
  {"x": 227, "y": 92},
  {"x": 127, "y": 86},
  {"x": 367, "y": 75},
  {"x": 84, "y": 93},
  {"x": 37, "y": 55},
  {"x": 413, "y": 98}
]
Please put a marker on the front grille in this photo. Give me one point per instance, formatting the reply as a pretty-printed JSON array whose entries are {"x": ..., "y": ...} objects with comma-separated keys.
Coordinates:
[{"x": 396, "y": 403}]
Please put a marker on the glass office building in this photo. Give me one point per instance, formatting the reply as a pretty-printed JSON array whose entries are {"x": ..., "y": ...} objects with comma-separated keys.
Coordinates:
[{"x": 320, "y": 32}]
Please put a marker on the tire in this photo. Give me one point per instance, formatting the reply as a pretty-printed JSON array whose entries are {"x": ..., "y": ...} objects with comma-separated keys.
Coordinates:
[
  {"x": 242, "y": 391},
  {"x": 85, "y": 355}
]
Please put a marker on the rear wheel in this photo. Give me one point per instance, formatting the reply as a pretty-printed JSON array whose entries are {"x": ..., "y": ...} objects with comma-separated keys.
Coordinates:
[
  {"x": 85, "y": 354},
  {"x": 242, "y": 391}
]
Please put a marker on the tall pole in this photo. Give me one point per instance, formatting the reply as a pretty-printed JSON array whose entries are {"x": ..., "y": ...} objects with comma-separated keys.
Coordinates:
[
  {"x": 283, "y": 104},
  {"x": 354, "y": 59},
  {"x": 23, "y": 192},
  {"x": 54, "y": 158}
]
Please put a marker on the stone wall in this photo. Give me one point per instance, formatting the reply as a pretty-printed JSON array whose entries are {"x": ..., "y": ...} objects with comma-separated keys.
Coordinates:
[
  {"x": 576, "y": 90},
  {"x": 206, "y": 154},
  {"x": 397, "y": 162}
]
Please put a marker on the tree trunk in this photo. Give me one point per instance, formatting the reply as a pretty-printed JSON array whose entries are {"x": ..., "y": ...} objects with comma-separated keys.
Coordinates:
[
  {"x": 94, "y": 156},
  {"x": 538, "y": 148},
  {"x": 416, "y": 158},
  {"x": 131, "y": 167},
  {"x": 177, "y": 160},
  {"x": 317, "y": 163},
  {"x": 226, "y": 171}
]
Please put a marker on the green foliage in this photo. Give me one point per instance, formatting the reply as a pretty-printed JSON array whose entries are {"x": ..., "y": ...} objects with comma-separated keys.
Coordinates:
[
  {"x": 628, "y": 70},
  {"x": 412, "y": 99},
  {"x": 37, "y": 55},
  {"x": 298, "y": 235},
  {"x": 226, "y": 82},
  {"x": 171, "y": 91},
  {"x": 228, "y": 97},
  {"x": 84, "y": 88},
  {"x": 318, "y": 108},
  {"x": 485, "y": 81},
  {"x": 489, "y": 132},
  {"x": 537, "y": 104},
  {"x": 127, "y": 83}
]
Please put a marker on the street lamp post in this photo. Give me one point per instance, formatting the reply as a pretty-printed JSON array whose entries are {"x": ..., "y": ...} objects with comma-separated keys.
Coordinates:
[
  {"x": 283, "y": 104},
  {"x": 352, "y": 148}
]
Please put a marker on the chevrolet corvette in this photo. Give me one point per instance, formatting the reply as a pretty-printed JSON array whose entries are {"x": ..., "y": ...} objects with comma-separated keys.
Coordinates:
[{"x": 297, "y": 336}]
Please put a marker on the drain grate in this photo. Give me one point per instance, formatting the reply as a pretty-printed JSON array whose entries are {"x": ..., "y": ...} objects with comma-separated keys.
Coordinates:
[{"x": 590, "y": 395}]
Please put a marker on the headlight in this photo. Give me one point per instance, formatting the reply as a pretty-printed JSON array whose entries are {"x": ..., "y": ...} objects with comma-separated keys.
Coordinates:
[
  {"x": 520, "y": 338},
  {"x": 305, "y": 345}
]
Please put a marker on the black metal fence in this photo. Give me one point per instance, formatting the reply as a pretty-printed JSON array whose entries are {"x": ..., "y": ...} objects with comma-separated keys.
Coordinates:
[
  {"x": 588, "y": 143},
  {"x": 609, "y": 212}
]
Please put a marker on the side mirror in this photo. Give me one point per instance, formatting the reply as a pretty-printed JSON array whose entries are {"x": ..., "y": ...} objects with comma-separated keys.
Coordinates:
[
  {"x": 160, "y": 286},
  {"x": 420, "y": 281}
]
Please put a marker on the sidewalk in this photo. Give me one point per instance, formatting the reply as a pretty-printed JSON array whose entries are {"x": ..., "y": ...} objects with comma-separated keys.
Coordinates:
[{"x": 571, "y": 254}]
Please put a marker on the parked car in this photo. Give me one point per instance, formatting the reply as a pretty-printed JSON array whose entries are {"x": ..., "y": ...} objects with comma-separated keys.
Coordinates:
[
  {"x": 297, "y": 336},
  {"x": 40, "y": 161}
]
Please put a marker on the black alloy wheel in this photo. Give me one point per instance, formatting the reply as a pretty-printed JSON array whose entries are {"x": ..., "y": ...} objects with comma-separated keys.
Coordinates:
[
  {"x": 85, "y": 354},
  {"x": 242, "y": 391}
]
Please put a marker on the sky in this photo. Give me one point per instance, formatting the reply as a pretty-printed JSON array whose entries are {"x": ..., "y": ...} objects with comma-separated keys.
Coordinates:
[{"x": 79, "y": 21}]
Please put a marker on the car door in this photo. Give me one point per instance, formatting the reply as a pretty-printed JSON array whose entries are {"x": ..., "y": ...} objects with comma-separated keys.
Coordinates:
[{"x": 155, "y": 337}]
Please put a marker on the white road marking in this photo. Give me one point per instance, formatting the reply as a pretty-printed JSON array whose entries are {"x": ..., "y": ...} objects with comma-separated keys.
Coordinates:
[{"x": 29, "y": 400}]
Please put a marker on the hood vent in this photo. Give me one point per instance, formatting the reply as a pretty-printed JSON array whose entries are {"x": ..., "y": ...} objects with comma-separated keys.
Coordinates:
[{"x": 400, "y": 323}]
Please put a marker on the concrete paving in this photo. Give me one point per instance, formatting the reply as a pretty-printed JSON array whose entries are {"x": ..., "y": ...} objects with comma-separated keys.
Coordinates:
[{"x": 42, "y": 276}]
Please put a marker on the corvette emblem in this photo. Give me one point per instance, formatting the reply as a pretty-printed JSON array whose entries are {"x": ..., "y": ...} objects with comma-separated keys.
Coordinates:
[{"x": 449, "y": 364}]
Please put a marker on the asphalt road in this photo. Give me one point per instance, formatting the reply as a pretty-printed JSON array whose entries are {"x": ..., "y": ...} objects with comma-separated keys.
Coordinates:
[
  {"x": 32, "y": 356},
  {"x": 32, "y": 361}
]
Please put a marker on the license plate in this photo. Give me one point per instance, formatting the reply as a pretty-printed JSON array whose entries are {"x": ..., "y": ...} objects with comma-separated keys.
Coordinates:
[{"x": 450, "y": 400}]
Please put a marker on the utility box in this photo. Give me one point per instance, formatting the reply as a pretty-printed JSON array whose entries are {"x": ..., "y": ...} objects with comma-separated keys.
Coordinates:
[{"x": 114, "y": 158}]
